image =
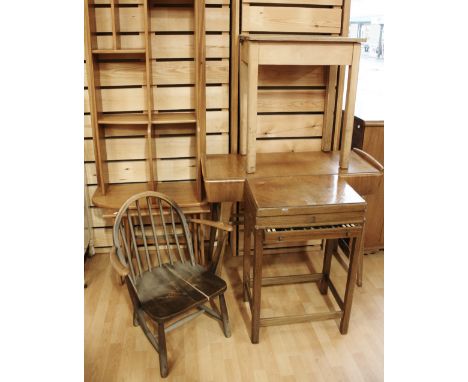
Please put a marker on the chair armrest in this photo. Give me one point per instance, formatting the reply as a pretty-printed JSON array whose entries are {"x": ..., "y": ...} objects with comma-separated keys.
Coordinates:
[
  {"x": 369, "y": 159},
  {"x": 117, "y": 265},
  {"x": 220, "y": 225}
]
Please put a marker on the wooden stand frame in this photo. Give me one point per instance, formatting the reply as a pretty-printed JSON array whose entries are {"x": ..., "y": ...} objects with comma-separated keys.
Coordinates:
[
  {"x": 295, "y": 50},
  {"x": 272, "y": 207},
  {"x": 305, "y": 17}
]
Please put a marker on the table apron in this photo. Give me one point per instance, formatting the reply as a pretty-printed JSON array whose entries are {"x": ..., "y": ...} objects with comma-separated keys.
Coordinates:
[{"x": 309, "y": 220}]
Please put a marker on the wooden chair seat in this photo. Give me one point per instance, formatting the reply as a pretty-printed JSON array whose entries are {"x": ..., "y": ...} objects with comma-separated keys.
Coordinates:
[{"x": 167, "y": 291}]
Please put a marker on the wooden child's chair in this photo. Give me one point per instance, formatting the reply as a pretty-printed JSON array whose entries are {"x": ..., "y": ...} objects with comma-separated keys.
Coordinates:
[{"x": 153, "y": 250}]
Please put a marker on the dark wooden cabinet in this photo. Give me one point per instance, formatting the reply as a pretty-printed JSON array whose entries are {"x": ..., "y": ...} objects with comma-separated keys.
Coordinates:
[{"x": 368, "y": 135}]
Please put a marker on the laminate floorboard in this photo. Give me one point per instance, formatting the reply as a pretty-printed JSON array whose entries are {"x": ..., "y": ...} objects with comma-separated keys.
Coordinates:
[{"x": 115, "y": 350}]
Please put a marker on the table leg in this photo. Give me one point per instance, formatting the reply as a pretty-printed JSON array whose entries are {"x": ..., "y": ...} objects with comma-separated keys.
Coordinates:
[
  {"x": 348, "y": 297},
  {"x": 226, "y": 212},
  {"x": 243, "y": 107},
  {"x": 252, "y": 84},
  {"x": 348, "y": 121},
  {"x": 257, "y": 285},
  {"x": 214, "y": 217},
  {"x": 330, "y": 247},
  {"x": 246, "y": 258},
  {"x": 224, "y": 217},
  {"x": 202, "y": 241},
  {"x": 360, "y": 253},
  {"x": 360, "y": 269}
]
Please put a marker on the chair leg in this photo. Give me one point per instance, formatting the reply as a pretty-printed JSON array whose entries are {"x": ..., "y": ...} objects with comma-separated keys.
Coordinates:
[
  {"x": 162, "y": 350},
  {"x": 224, "y": 316},
  {"x": 135, "y": 318},
  {"x": 153, "y": 341}
]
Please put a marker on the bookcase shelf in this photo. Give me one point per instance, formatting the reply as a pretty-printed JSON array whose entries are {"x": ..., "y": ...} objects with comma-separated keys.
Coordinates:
[
  {"x": 123, "y": 119},
  {"x": 119, "y": 51},
  {"x": 173, "y": 118},
  {"x": 184, "y": 193}
]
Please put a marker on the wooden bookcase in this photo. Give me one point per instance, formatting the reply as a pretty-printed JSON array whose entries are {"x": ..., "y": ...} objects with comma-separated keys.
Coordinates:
[
  {"x": 127, "y": 95},
  {"x": 134, "y": 142}
]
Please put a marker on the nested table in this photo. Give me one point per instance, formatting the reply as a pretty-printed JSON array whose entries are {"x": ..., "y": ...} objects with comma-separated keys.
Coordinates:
[
  {"x": 259, "y": 50},
  {"x": 292, "y": 209}
]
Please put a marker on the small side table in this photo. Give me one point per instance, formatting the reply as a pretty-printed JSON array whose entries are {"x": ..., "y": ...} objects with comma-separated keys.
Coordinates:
[
  {"x": 260, "y": 49},
  {"x": 300, "y": 208}
]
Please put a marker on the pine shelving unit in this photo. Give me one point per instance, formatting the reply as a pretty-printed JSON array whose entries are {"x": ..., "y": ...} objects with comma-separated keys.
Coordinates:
[{"x": 124, "y": 93}]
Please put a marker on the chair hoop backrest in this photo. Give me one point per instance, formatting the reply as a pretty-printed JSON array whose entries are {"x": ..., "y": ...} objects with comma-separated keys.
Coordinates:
[{"x": 155, "y": 221}]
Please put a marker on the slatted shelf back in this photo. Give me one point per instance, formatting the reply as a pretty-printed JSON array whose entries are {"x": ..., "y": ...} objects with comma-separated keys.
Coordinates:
[
  {"x": 292, "y": 16},
  {"x": 160, "y": 130}
]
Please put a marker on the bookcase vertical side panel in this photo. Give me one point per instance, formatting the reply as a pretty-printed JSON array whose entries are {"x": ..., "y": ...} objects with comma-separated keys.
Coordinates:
[
  {"x": 234, "y": 76},
  {"x": 94, "y": 99},
  {"x": 200, "y": 87},
  {"x": 151, "y": 153},
  {"x": 345, "y": 16}
]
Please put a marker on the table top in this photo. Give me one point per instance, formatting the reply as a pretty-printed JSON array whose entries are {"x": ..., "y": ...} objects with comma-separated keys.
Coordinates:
[
  {"x": 231, "y": 167},
  {"x": 302, "y": 194},
  {"x": 297, "y": 38}
]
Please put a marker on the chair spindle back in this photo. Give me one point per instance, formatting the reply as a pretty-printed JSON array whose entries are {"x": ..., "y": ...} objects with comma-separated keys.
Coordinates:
[{"x": 151, "y": 230}]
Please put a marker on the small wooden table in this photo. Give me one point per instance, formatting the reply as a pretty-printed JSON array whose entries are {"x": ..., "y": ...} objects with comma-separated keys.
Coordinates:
[
  {"x": 257, "y": 50},
  {"x": 286, "y": 209},
  {"x": 224, "y": 175}
]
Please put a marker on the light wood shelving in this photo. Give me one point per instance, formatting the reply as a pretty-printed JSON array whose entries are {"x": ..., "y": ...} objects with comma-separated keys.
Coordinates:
[
  {"x": 122, "y": 91},
  {"x": 173, "y": 118},
  {"x": 119, "y": 51},
  {"x": 116, "y": 194},
  {"x": 123, "y": 119}
]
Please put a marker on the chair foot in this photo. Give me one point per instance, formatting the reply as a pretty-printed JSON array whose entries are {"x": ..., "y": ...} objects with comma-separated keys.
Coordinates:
[
  {"x": 162, "y": 351},
  {"x": 224, "y": 316},
  {"x": 344, "y": 327},
  {"x": 245, "y": 297},
  {"x": 135, "y": 318},
  {"x": 255, "y": 336}
]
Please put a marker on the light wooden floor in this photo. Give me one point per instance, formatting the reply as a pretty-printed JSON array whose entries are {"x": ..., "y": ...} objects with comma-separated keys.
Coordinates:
[{"x": 198, "y": 351}]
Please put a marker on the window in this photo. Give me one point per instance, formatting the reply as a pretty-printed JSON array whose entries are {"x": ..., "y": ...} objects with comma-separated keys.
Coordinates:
[{"x": 367, "y": 21}]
